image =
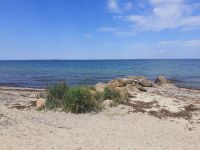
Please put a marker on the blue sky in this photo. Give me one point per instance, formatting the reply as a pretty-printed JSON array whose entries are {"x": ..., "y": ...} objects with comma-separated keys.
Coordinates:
[{"x": 99, "y": 29}]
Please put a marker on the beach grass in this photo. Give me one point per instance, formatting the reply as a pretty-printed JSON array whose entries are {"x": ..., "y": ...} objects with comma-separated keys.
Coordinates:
[
  {"x": 56, "y": 95},
  {"x": 78, "y": 99},
  {"x": 112, "y": 94}
]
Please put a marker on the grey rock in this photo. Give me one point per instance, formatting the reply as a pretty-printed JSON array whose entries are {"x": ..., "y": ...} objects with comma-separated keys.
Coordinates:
[
  {"x": 161, "y": 80},
  {"x": 145, "y": 83}
]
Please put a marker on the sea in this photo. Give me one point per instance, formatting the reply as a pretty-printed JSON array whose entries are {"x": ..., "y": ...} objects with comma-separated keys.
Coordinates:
[{"x": 43, "y": 73}]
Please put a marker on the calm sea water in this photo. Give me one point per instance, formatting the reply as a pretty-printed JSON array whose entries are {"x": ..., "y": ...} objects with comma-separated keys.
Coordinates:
[{"x": 39, "y": 74}]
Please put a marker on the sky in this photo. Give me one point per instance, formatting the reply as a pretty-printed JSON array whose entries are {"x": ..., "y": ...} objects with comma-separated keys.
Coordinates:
[{"x": 99, "y": 29}]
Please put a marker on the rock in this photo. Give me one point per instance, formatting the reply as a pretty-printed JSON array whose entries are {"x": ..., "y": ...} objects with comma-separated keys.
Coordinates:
[
  {"x": 141, "y": 77},
  {"x": 100, "y": 87},
  {"x": 155, "y": 85},
  {"x": 161, "y": 80},
  {"x": 141, "y": 89},
  {"x": 123, "y": 91},
  {"x": 131, "y": 88},
  {"x": 115, "y": 83},
  {"x": 107, "y": 103},
  {"x": 145, "y": 82},
  {"x": 129, "y": 80},
  {"x": 40, "y": 103}
]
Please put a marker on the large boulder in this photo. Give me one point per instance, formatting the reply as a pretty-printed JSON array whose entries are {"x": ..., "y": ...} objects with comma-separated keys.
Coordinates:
[
  {"x": 145, "y": 82},
  {"x": 140, "y": 77},
  {"x": 161, "y": 80},
  {"x": 100, "y": 87},
  {"x": 116, "y": 83},
  {"x": 129, "y": 80}
]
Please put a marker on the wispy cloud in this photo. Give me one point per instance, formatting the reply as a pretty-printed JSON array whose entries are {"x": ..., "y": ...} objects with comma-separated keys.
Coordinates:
[
  {"x": 107, "y": 29},
  {"x": 162, "y": 14},
  {"x": 189, "y": 43},
  {"x": 193, "y": 43},
  {"x": 116, "y": 31},
  {"x": 116, "y": 7}
]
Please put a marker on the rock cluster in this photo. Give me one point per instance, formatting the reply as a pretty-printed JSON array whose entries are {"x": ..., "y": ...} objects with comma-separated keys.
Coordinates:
[
  {"x": 126, "y": 87},
  {"x": 130, "y": 85}
]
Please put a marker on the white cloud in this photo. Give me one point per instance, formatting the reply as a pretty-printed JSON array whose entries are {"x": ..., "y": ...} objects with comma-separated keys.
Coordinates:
[
  {"x": 188, "y": 43},
  {"x": 193, "y": 43},
  {"x": 162, "y": 14},
  {"x": 116, "y": 31},
  {"x": 169, "y": 42},
  {"x": 116, "y": 7}
]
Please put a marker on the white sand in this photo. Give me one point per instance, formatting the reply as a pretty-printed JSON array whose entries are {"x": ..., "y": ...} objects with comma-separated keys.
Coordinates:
[{"x": 112, "y": 129}]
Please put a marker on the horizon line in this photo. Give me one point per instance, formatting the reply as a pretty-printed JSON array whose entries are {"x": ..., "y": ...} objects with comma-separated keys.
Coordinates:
[{"x": 98, "y": 59}]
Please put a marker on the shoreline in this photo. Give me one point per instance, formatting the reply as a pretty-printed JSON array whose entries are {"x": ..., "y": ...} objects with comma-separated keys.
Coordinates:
[
  {"x": 12, "y": 87},
  {"x": 21, "y": 88}
]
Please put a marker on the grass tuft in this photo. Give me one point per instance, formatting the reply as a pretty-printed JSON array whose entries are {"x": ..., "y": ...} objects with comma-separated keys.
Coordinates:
[
  {"x": 112, "y": 95},
  {"x": 56, "y": 96},
  {"x": 79, "y": 99},
  {"x": 71, "y": 99}
]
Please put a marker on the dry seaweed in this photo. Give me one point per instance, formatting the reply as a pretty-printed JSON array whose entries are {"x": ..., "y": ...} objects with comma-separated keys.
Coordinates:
[{"x": 163, "y": 113}]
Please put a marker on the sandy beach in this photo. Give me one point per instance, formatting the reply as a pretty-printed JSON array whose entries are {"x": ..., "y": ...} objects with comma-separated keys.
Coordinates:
[
  {"x": 141, "y": 125},
  {"x": 99, "y": 74}
]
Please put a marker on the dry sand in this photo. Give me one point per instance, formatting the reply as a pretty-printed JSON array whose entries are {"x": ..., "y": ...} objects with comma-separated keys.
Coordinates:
[{"x": 122, "y": 127}]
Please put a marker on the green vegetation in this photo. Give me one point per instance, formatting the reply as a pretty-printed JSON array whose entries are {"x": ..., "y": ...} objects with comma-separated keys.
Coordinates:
[
  {"x": 56, "y": 96},
  {"x": 111, "y": 94},
  {"x": 79, "y": 99}
]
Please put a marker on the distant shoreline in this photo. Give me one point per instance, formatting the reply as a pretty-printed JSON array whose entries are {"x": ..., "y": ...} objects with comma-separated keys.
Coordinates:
[{"x": 99, "y": 59}]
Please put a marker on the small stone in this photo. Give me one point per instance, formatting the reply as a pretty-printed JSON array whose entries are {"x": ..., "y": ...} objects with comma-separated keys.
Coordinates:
[
  {"x": 107, "y": 103},
  {"x": 40, "y": 102}
]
